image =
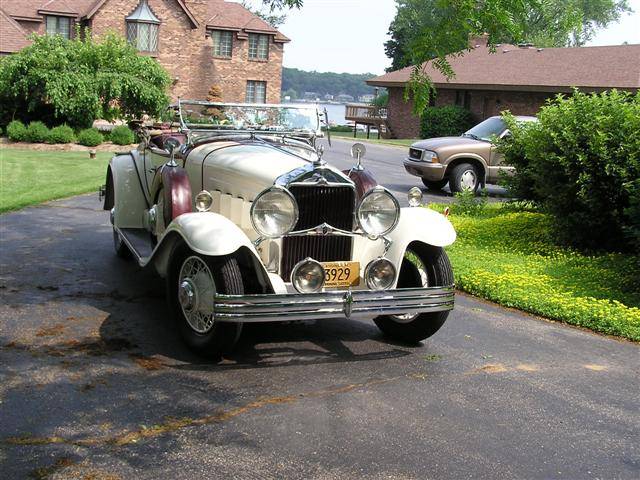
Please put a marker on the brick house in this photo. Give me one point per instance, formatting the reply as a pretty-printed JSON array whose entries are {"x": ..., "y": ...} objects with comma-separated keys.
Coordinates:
[
  {"x": 200, "y": 42},
  {"x": 518, "y": 79}
]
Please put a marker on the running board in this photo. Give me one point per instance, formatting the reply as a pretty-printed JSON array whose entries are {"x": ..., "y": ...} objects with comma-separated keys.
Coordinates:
[{"x": 139, "y": 242}]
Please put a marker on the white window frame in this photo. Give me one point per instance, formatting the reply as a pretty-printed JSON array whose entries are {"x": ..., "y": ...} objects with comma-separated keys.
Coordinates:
[
  {"x": 222, "y": 43},
  {"x": 256, "y": 91},
  {"x": 135, "y": 30},
  {"x": 258, "y": 46},
  {"x": 53, "y": 25}
]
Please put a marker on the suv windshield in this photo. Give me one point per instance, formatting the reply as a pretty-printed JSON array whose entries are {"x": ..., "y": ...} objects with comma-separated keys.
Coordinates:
[
  {"x": 485, "y": 130},
  {"x": 228, "y": 117}
]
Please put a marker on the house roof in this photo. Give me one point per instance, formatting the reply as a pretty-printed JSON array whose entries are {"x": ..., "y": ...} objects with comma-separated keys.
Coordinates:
[
  {"x": 532, "y": 69},
  {"x": 220, "y": 14},
  {"x": 233, "y": 16},
  {"x": 12, "y": 36}
]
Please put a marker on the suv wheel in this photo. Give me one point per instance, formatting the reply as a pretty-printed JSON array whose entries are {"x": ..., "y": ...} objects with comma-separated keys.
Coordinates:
[
  {"x": 464, "y": 177},
  {"x": 435, "y": 185}
]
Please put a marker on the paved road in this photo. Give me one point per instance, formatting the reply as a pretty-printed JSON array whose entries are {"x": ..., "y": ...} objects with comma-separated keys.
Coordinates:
[
  {"x": 95, "y": 384},
  {"x": 385, "y": 162}
]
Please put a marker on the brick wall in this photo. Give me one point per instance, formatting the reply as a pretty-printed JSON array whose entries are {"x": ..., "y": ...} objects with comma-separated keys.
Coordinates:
[
  {"x": 401, "y": 120},
  {"x": 482, "y": 103},
  {"x": 187, "y": 52},
  {"x": 487, "y": 103}
]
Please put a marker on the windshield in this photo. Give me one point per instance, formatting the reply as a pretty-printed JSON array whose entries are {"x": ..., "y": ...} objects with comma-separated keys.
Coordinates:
[
  {"x": 485, "y": 130},
  {"x": 227, "y": 117}
]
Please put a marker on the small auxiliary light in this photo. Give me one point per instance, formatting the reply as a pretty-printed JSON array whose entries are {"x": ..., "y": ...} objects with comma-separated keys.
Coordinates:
[
  {"x": 204, "y": 200},
  {"x": 308, "y": 276},
  {"x": 415, "y": 197}
]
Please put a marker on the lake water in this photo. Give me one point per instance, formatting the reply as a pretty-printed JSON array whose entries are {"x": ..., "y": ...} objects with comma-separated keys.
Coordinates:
[{"x": 336, "y": 112}]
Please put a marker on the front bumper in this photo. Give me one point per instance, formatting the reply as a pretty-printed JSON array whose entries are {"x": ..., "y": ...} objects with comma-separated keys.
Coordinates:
[
  {"x": 320, "y": 306},
  {"x": 431, "y": 171}
]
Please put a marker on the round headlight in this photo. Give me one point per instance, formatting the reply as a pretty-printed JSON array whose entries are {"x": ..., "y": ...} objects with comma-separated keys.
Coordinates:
[
  {"x": 203, "y": 201},
  {"x": 415, "y": 197},
  {"x": 308, "y": 276},
  {"x": 274, "y": 212},
  {"x": 378, "y": 212},
  {"x": 380, "y": 274}
]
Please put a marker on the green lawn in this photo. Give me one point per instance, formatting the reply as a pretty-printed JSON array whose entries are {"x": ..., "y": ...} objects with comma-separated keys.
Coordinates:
[
  {"x": 28, "y": 177},
  {"x": 401, "y": 142},
  {"x": 508, "y": 257}
]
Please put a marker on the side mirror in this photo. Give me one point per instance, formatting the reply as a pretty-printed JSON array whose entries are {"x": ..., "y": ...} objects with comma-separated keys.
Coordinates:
[{"x": 506, "y": 133}]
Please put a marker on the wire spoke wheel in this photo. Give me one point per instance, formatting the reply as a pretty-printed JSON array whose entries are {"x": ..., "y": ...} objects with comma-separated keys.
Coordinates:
[
  {"x": 196, "y": 291},
  {"x": 420, "y": 278}
]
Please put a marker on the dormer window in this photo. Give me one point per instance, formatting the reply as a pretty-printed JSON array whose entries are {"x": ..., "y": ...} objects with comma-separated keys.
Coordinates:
[
  {"x": 142, "y": 28},
  {"x": 58, "y": 26}
]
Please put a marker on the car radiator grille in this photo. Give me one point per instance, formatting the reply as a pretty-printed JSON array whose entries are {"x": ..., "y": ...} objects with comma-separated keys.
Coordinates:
[{"x": 317, "y": 205}]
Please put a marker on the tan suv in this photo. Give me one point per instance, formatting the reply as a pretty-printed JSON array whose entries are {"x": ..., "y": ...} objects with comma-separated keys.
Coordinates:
[{"x": 464, "y": 162}]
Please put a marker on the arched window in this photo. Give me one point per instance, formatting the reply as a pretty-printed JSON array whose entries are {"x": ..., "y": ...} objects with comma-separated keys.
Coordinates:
[{"x": 142, "y": 28}]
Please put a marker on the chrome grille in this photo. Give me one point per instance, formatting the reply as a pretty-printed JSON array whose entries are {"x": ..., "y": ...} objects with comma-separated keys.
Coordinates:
[{"x": 319, "y": 204}]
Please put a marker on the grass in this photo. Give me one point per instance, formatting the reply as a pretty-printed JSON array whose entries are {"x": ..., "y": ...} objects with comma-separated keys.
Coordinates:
[
  {"x": 401, "y": 142},
  {"x": 508, "y": 257},
  {"x": 28, "y": 177}
]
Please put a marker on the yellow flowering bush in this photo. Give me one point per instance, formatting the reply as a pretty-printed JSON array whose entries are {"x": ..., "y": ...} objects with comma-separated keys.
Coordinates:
[{"x": 508, "y": 257}]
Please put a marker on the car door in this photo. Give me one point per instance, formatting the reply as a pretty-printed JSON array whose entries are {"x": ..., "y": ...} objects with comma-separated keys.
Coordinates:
[
  {"x": 154, "y": 158},
  {"x": 496, "y": 162}
]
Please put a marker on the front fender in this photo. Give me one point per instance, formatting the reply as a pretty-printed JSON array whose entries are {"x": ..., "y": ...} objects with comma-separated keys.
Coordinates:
[
  {"x": 205, "y": 233},
  {"x": 419, "y": 225},
  {"x": 416, "y": 225}
]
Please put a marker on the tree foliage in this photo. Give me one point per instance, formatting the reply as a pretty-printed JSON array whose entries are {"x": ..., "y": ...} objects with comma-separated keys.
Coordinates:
[
  {"x": 76, "y": 81},
  {"x": 297, "y": 82},
  {"x": 581, "y": 162}
]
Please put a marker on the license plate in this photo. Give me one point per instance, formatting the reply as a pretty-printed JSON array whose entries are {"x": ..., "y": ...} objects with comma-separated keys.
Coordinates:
[{"x": 341, "y": 274}]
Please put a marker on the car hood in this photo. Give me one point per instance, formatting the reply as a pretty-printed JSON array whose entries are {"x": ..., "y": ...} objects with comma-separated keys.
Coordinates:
[{"x": 448, "y": 142}]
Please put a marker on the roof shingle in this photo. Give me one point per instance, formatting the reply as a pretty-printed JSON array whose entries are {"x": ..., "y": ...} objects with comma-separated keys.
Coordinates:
[
  {"x": 12, "y": 36},
  {"x": 548, "y": 69}
]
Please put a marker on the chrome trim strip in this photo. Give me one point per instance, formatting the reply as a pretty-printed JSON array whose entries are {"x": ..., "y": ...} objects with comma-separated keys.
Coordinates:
[{"x": 334, "y": 304}]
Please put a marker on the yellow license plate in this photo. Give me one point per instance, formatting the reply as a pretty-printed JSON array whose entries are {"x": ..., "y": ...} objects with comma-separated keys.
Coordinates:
[{"x": 341, "y": 274}]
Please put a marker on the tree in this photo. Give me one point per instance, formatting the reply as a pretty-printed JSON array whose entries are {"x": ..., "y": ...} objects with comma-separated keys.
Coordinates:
[
  {"x": 76, "y": 81},
  {"x": 273, "y": 19}
]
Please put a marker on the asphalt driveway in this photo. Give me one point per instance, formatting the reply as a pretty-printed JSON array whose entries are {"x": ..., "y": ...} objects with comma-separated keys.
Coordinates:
[{"x": 94, "y": 383}]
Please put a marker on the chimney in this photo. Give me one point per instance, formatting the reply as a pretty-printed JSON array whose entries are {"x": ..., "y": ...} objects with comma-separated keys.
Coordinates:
[{"x": 476, "y": 41}]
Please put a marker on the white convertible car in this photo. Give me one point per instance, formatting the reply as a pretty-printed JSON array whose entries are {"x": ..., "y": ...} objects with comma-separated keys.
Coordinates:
[{"x": 234, "y": 206}]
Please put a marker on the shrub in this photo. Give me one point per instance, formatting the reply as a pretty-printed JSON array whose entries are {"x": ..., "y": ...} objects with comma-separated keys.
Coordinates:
[
  {"x": 89, "y": 79},
  {"x": 61, "y": 134},
  {"x": 16, "y": 131},
  {"x": 341, "y": 128},
  {"x": 122, "y": 135},
  {"x": 90, "y": 137},
  {"x": 581, "y": 162},
  {"x": 450, "y": 120},
  {"x": 37, "y": 132},
  {"x": 466, "y": 203}
]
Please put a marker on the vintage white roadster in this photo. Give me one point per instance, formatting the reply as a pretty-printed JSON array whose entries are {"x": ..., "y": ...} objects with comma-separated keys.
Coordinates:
[{"x": 234, "y": 206}]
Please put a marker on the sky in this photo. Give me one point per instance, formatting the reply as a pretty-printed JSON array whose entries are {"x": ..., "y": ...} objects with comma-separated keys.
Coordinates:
[{"x": 348, "y": 35}]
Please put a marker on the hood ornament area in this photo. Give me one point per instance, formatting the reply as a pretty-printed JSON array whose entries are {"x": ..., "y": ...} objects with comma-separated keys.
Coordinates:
[{"x": 320, "y": 153}]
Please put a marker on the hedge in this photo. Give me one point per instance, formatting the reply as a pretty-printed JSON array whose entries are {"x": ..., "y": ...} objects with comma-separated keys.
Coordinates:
[{"x": 447, "y": 121}]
